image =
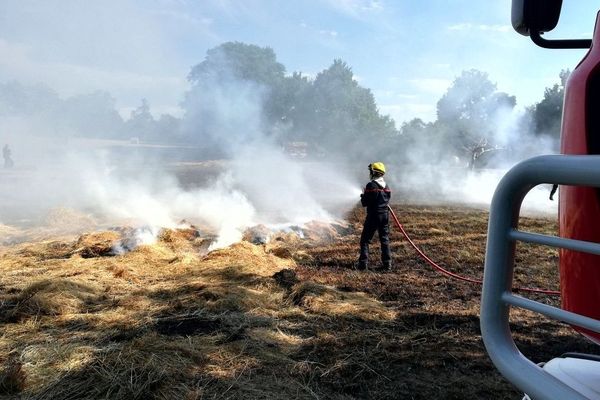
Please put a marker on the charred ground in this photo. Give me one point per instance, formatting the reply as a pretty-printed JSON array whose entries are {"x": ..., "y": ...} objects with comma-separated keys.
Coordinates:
[{"x": 288, "y": 319}]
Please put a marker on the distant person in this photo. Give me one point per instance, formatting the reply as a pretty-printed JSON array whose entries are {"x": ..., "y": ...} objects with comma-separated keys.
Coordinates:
[
  {"x": 554, "y": 189},
  {"x": 6, "y": 153},
  {"x": 376, "y": 198}
]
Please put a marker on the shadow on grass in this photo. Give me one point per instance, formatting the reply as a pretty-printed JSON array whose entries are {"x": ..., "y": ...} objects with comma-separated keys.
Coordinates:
[{"x": 226, "y": 333}]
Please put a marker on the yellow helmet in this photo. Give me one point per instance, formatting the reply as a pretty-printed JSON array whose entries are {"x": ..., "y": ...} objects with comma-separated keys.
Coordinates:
[{"x": 377, "y": 167}]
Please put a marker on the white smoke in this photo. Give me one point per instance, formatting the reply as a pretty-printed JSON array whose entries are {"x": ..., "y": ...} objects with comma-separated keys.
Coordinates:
[
  {"x": 453, "y": 181},
  {"x": 279, "y": 189},
  {"x": 258, "y": 183}
]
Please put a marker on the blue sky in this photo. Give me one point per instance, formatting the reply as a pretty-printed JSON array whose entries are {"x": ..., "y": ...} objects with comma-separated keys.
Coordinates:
[{"x": 407, "y": 52}]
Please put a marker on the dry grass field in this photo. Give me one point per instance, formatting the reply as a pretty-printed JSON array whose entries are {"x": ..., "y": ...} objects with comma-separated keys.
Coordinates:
[{"x": 290, "y": 319}]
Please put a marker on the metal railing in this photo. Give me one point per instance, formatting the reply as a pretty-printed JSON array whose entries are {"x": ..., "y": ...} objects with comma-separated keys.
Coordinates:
[{"x": 497, "y": 297}]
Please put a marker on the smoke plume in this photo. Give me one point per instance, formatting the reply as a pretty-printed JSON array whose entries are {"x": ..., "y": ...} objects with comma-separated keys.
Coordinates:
[{"x": 117, "y": 182}]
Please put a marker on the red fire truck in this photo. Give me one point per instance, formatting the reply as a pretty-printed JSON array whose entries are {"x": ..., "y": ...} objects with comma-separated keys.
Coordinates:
[{"x": 577, "y": 171}]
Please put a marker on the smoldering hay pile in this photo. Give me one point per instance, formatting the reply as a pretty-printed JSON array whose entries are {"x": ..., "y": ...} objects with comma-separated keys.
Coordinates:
[
  {"x": 114, "y": 214},
  {"x": 247, "y": 200}
]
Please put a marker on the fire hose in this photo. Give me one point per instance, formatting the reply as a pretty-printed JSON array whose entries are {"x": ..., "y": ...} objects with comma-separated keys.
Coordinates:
[{"x": 456, "y": 276}]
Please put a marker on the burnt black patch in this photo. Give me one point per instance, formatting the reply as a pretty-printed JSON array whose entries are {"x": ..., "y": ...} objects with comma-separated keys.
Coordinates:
[
  {"x": 126, "y": 335},
  {"x": 286, "y": 278},
  {"x": 187, "y": 325}
]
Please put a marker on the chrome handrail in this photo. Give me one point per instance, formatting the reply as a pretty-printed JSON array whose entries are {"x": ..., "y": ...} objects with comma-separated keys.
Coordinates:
[{"x": 497, "y": 297}]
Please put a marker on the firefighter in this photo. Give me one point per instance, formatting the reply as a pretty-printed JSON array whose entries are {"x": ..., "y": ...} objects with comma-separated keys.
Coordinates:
[
  {"x": 6, "y": 153},
  {"x": 375, "y": 198}
]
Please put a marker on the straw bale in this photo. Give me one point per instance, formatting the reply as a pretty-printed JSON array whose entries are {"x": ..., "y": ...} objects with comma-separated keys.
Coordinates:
[
  {"x": 293, "y": 237},
  {"x": 258, "y": 234},
  {"x": 180, "y": 235},
  {"x": 185, "y": 241},
  {"x": 249, "y": 258},
  {"x": 48, "y": 250},
  {"x": 320, "y": 231},
  {"x": 97, "y": 244},
  {"x": 151, "y": 252}
]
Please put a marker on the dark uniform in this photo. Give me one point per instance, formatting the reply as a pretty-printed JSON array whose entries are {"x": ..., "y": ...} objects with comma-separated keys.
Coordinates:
[
  {"x": 8, "y": 162},
  {"x": 376, "y": 198}
]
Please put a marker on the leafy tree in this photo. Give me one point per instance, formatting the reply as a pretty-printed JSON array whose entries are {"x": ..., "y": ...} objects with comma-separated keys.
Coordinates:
[
  {"x": 241, "y": 61},
  {"x": 547, "y": 113},
  {"x": 244, "y": 62},
  {"x": 168, "y": 129},
  {"x": 19, "y": 99},
  {"x": 292, "y": 106},
  {"x": 232, "y": 93},
  {"x": 141, "y": 123},
  {"x": 467, "y": 113},
  {"x": 325, "y": 112},
  {"x": 416, "y": 134},
  {"x": 344, "y": 112},
  {"x": 92, "y": 115}
]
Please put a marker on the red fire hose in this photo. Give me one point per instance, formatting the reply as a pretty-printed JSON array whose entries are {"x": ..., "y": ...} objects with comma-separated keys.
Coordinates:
[{"x": 456, "y": 276}]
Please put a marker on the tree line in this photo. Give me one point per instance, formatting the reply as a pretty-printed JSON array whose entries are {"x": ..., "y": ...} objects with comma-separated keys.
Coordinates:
[{"x": 330, "y": 112}]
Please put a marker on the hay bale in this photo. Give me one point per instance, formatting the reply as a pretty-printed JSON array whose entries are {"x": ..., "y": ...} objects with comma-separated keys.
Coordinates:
[
  {"x": 342, "y": 228},
  {"x": 293, "y": 236},
  {"x": 98, "y": 244},
  {"x": 248, "y": 258},
  {"x": 131, "y": 238},
  {"x": 178, "y": 235},
  {"x": 258, "y": 234},
  {"x": 319, "y": 231},
  {"x": 188, "y": 240},
  {"x": 49, "y": 250},
  {"x": 326, "y": 231}
]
